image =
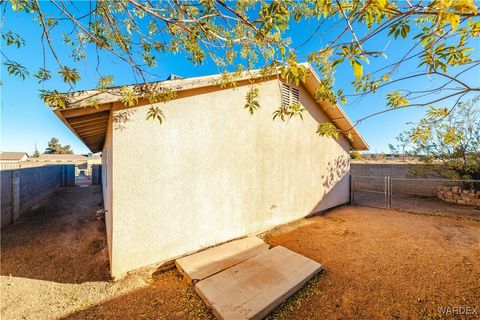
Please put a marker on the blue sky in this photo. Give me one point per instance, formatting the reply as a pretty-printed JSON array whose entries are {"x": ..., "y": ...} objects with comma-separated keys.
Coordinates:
[{"x": 26, "y": 120}]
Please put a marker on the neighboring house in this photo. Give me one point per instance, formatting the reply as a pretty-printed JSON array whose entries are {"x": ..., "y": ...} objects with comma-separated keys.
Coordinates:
[
  {"x": 210, "y": 172},
  {"x": 13, "y": 157},
  {"x": 63, "y": 158},
  {"x": 80, "y": 161},
  {"x": 92, "y": 160}
]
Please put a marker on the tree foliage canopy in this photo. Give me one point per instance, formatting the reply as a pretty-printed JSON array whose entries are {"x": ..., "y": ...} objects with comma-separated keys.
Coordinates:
[
  {"x": 54, "y": 147},
  {"x": 449, "y": 143},
  {"x": 439, "y": 37}
]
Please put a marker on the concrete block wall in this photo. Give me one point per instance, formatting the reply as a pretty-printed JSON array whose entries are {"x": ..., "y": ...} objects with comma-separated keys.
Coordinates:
[
  {"x": 6, "y": 197},
  {"x": 419, "y": 186},
  {"x": 24, "y": 188},
  {"x": 394, "y": 170},
  {"x": 68, "y": 175},
  {"x": 369, "y": 176},
  {"x": 368, "y": 183},
  {"x": 96, "y": 173}
]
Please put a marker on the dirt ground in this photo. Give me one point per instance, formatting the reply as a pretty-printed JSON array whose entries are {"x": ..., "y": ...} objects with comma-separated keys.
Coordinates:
[
  {"x": 54, "y": 264},
  {"x": 60, "y": 241},
  {"x": 386, "y": 264},
  {"x": 378, "y": 265}
]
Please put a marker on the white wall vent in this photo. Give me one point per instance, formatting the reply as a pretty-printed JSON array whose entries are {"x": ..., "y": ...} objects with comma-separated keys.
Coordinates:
[{"x": 290, "y": 95}]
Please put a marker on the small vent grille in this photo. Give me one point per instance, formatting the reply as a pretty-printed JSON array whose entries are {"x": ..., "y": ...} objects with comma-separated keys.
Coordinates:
[
  {"x": 285, "y": 95},
  {"x": 290, "y": 95},
  {"x": 295, "y": 96}
]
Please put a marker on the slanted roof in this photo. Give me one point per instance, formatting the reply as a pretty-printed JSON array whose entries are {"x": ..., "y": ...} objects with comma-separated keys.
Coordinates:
[
  {"x": 61, "y": 157},
  {"x": 90, "y": 123},
  {"x": 12, "y": 156}
]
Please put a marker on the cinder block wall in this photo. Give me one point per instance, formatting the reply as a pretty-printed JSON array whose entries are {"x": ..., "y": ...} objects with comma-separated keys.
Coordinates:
[
  {"x": 68, "y": 175},
  {"x": 96, "y": 173},
  {"x": 6, "y": 197},
  {"x": 369, "y": 176},
  {"x": 23, "y": 188},
  {"x": 394, "y": 170}
]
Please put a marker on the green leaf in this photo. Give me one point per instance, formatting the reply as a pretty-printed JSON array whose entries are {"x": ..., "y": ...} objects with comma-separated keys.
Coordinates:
[
  {"x": 163, "y": 95},
  {"x": 357, "y": 68},
  {"x": 128, "y": 96},
  {"x": 252, "y": 103},
  {"x": 328, "y": 129},
  {"x": 53, "y": 98},
  {"x": 105, "y": 82},
  {"x": 405, "y": 31},
  {"x": 155, "y": 113},
  {"x": 69, "y": 75},
  {"x": 16, "y": 69},
  {"x": 12, "y": 38},
  {"x": 454, "y": 20},
  {"x": 449, "y": 136},
  {"x": 395, "y": 99},
  {"x": 42, "y": 75}
]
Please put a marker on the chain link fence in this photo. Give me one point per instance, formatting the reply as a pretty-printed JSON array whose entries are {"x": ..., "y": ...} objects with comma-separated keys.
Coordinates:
[
  {"x": 369, "y": 191},
  {"x": 427, "y": 196}
]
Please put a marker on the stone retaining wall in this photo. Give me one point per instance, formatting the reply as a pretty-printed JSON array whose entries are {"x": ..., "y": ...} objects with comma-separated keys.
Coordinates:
[{"x": 459, "y": 195}]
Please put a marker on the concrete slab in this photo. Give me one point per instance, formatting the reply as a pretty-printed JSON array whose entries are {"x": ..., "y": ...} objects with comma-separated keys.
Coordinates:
[
  {"x": 253, "y": 288},
  {"x": 205, "y": 263}
]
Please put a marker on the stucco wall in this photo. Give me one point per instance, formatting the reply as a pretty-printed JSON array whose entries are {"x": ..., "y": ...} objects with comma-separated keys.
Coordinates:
[
  {"x": 212, "y": 172},
  {"x": 106, "y": 180}
]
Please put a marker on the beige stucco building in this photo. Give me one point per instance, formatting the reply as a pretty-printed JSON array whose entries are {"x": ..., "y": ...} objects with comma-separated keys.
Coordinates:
[{"x": 211, "y": 172}]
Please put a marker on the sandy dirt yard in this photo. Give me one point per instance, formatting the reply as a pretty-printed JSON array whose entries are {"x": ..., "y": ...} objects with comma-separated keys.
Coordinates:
[
  {"x": 378, "y": 265},
  {"x": 386, "y": 264}
]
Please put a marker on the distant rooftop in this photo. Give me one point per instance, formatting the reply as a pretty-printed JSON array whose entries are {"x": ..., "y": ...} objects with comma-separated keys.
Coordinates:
[
  {"x": 60, "y": 157},
  {"x": 12, "y": 156}
]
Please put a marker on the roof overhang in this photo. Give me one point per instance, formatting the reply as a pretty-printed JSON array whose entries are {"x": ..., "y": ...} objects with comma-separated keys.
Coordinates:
[
  {"x": 87, "y": 112},
  {"x": 89, "y": 124},
  {"x": 336, "y": 114}
]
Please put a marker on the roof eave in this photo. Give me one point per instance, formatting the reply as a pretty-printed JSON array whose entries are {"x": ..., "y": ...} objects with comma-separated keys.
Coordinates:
[
  {"x": 359, "y": 143},
  {"x": 104, "y": 98},
  {"x": 95, "y": 123}
]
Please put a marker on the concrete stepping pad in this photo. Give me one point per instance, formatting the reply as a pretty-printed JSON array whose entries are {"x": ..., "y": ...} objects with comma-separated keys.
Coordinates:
[
  {"x": 255, "y": 287},
  {"x": 205, "y": 263}
]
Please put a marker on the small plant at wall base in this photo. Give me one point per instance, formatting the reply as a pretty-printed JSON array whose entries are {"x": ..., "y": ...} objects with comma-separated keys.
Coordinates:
[
  {"x": 449, "y": 143},
  {"x": 435, "y": 38}
]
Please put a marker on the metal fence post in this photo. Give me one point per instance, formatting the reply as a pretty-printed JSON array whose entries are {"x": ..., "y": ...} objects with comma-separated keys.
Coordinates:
[
  {"x": 385, "y": 191},
  {"x": 389, "y": 189},
  {"x": 350, "y": 184}
]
